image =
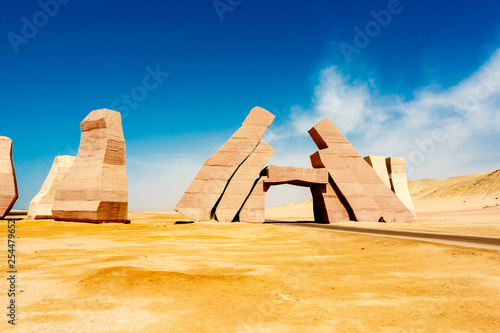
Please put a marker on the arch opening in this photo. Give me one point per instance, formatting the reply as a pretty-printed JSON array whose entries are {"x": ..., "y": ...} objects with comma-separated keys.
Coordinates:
[{"x": 289, "y": 203}]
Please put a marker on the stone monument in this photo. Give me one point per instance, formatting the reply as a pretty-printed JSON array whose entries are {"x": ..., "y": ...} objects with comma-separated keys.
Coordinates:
[
  {"x": 241, "y": 183},
  {"x": 201, "y": 197},
  {"x": 367, "y": 196},
  {"x": 231, "y": 186},
  {"x": 396, "y": 167},
  {"x": 95, "y": 187},
  {"x": 41, "y": 205},
  {"x": 378, "y": 164},
  {"x": 8, "y": 182}
]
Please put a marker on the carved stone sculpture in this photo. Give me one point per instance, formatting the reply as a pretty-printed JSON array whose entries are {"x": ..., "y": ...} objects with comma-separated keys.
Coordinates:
[
  {"x": 206, "y": 189},
  {"x": 397, "y": 175},
  {"x": 95, "y": 187},
  {"x": 8, "y": 182},
  {"x": 343, "y": 185},
  {"x": 241, "y": 183},
  {"x": 327, "y": 205},
  {"x": 378, "y": 164},
  {"x": 41, "y": 205},
  {"x": 367, "y": 196},
  {"x": 253, "y": 210}
]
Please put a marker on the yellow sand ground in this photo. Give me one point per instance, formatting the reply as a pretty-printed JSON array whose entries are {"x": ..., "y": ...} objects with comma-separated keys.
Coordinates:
[{"x": 157, "y": 276}]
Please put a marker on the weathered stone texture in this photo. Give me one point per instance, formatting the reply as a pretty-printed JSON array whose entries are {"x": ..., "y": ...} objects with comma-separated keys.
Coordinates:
[
  {"x": 241, "y": 183},
  {"x": 361, "y": 205},
  {"x": 277, "y": 175},
  {"x": 396, "y": 167},
  {"x": 41, "y": 205},
  {"x": 378, "y": 164},
  {"x": 343, "y": 185},
  {"x": 327, "y": 205},
  {"x": 95, "y": 187},
  {"x": 206, "y": 189},
  {"x": 368, "y": 197},
  {"x": 8, "y": 182},
  {"x": 253, "y": 209}
]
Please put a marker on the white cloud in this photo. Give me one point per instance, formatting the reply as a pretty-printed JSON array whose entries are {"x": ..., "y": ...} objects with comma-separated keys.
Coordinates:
[{"x": 441, "y": 132}]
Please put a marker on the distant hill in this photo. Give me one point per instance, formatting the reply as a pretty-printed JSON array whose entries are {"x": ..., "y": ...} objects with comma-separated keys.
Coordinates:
[
  {"x": 475, "y": 185},
  {"x": 294, "y": 211},
  {"x": 479, "y": 189}
]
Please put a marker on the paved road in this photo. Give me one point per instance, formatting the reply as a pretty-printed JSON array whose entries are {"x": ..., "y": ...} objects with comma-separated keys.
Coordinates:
[{"x": 457, "y": 239}]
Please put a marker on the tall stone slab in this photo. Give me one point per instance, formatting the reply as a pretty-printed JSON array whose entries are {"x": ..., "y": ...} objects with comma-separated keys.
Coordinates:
[
  {"x": 359, "y": 204},
  {"x": 95, "y": 187},
  {"x": 253, "y": 210},
  {"x": 378, "y": 164},
  {"x": 396, "y": 167},
  {"x": 41, "y": 205},
  {"x": 8, "y": 182},
  {"x": 206, "y": 189},
  {"x": 327, "y": 206},
  {"x": 373, "y": 201},
  {"x": 241, "y": 183}
]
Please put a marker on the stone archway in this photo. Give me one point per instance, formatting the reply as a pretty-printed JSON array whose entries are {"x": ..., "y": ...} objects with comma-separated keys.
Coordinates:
[
  {"x": 326, "y": 204},
  {"x": 343, "y": 186}
]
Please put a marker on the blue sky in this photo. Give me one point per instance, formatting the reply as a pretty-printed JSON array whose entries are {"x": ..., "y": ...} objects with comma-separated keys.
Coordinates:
[{"x": 424, "y": 82}]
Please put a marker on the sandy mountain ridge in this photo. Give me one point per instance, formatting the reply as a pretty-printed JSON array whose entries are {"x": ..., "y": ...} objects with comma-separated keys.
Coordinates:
[
  {"x": 475, "y": 185},
  {"x": 473, "y": 188}
]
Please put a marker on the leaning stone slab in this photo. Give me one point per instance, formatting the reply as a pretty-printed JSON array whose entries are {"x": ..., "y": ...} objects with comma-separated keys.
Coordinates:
[
  {"x": 359, "y": 204},
  {"x": 327, "y": 205},
  {"x": 373, "y": 200},
  {"x": 95, "y": 187},
  {"x": 241, "y": 183},
  {"x": 397, "y": 174},
  {"x": 200, "y": 198},
  {"x": 378, "y": 164},
  {"x": 253, "y": 210},
  {"x": 41, "y": 205},
  {"x": 8, "y": 182}
]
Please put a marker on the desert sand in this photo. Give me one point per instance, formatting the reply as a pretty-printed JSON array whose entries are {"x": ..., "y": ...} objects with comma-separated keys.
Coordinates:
[{"x": 160, "y": 274}]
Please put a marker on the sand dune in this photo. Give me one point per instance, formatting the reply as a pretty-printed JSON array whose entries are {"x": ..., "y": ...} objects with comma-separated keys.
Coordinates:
[
  {"x": 465, "y": 204},
  {"x": 478, "y": 185},
  {"x": 480, "y": 189},
  {"x": 477, "y": 191},
  {"x": 300, "y": 211}
]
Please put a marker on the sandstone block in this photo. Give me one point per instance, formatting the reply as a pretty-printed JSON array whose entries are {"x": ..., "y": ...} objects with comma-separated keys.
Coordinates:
[
  {"x": 41, "y": 205},
  {"x": 95, "y": 187},
  {"x": 396, "y": 167},
  {"x": 327, "y": 205},
  {"x": 240, "y": 185},
  {"x": 202, "y": 195},
  {"x": 366, "y": 194},
  {"x": 8, "y": 182},
  {"x": 378, "y": 164},
  {"x": 277, "y": 175},
  {"x": 253, "y": 210},
  {"x": 361, "y": 206}
]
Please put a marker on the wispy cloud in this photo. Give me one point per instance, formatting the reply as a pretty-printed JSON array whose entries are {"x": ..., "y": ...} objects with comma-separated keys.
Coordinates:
[{"x": 441, "y": 132}]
